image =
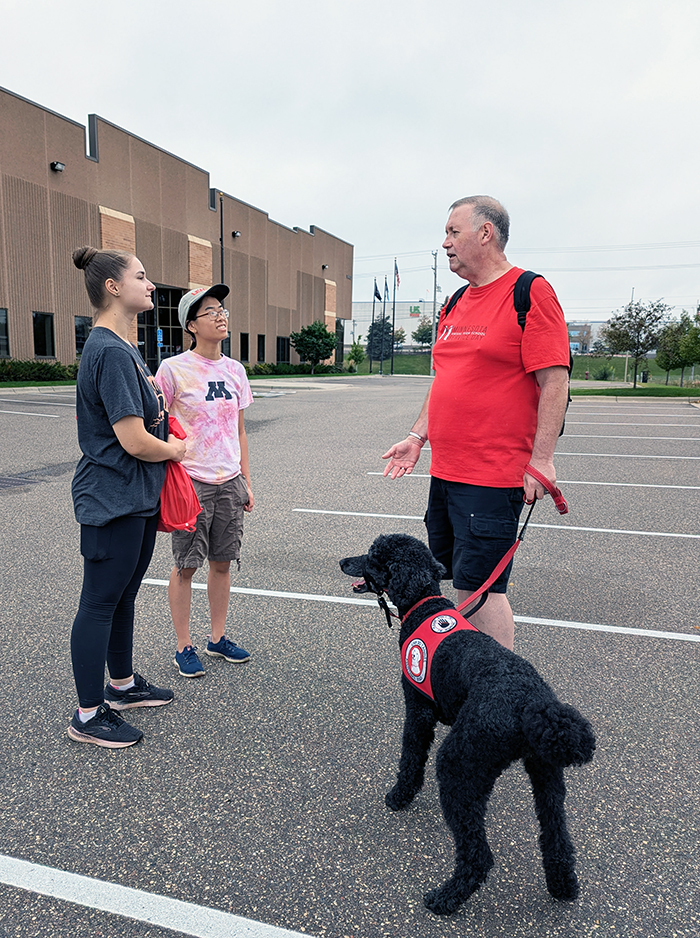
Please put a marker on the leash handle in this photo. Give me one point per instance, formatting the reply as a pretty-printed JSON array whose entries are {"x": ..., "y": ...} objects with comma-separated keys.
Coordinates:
[{"x": 558, "y": 498}]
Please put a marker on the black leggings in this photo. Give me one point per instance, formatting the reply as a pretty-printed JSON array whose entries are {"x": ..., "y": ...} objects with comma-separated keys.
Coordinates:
[{"x": 116, "y": 557}]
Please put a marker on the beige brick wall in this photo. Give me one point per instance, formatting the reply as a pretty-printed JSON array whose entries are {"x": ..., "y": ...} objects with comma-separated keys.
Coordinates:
[
  {"x": 117, "y": 230},
  {"x": 200, "y": 263},
  {"x": 331, "y": 297}
]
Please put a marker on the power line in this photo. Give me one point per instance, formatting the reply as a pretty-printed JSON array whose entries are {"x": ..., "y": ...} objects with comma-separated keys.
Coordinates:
[{"x": 592, "y": 249}]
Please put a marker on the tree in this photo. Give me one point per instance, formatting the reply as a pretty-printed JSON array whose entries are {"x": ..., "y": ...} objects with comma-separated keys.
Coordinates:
[
  {"x": 313, "y": 343},
  {"x": 356, "y": 355},
  {"x": 673, "y": 351},
  {"x": 635, "y": 330},
  {"x": 399, "y": 337},
  {"x": 423, "y": 335},
  {"x": 690, "y": 343},
  {"x": 379, "y": 339}
]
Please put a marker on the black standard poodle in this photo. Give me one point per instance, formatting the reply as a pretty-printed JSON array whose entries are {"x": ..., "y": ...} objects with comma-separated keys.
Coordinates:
[{"x": 499, "y": 708}]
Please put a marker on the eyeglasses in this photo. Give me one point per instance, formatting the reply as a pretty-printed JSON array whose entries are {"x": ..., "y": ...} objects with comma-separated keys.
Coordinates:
[{"x": 214, "y": 314}]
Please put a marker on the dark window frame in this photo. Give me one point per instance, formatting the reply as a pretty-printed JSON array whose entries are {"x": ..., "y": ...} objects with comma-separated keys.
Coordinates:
[{"x": 46, "y": 334}]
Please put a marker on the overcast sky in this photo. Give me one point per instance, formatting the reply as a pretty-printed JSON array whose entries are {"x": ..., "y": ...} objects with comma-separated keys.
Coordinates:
[{"x": 368, "y": 118}]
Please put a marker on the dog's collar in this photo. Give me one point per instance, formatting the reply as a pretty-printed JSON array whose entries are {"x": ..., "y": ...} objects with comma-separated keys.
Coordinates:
[{"x": 416, "y": 605}]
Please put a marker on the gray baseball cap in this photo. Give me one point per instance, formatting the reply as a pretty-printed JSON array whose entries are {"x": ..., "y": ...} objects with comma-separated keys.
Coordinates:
[{"x": 219, "y": 290}]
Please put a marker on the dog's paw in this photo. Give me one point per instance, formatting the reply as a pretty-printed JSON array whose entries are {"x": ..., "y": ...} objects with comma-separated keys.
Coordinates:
[
  {"x": 563, "y": 885},
  {"x": 398, "y": 798},
  {"x": 443, "y": 901},
  {"x": 447, "y": 898}
]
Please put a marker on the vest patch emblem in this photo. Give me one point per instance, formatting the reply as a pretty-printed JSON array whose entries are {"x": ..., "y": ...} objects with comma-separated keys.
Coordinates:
[
  {"x": 443, "y": 624},
  {"x": 416, "y": 660}
]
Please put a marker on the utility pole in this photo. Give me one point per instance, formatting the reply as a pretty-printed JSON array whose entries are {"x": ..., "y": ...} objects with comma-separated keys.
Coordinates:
[{"x": 432, "y": 343}]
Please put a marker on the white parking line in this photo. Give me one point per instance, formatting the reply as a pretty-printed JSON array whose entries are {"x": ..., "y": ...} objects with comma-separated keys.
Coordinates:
[
  {"x": 557, "y": 527},
  {"x": 355, "y": 601},
  {"x": 24, "y": 413},
  {"x": 633, "y": 485},
  {"x": 182, "y": 917},
  {"x": 612, "y": 436},
  {"x": 623, "y": 455}
]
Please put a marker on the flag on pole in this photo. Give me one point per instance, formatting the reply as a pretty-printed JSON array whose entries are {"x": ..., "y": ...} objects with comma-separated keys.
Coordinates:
[
  {"x": 386, "y": 289},
  {"x": 396, "y": 274},
  {"x": 376, "y": 291}
]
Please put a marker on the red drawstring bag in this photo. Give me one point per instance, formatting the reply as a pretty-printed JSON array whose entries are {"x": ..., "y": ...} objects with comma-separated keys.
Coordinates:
[{"x": 179, "y": 505}]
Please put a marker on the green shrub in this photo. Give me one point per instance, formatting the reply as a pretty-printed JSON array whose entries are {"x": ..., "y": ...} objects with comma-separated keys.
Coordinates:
[
  {"x": 13, "y": 370},
  {"x": 605, "y": 372}
]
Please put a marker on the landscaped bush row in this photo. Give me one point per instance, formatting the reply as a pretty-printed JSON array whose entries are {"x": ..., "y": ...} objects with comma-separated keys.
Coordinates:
[
  {"x": 265, "y": 368},
  {"x": 13, "y": 370}
]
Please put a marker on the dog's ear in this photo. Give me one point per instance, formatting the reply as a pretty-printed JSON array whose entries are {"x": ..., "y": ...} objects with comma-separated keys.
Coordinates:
[
  {"x": 411, "y": 567},
  {"x": 354, "y": 566}
]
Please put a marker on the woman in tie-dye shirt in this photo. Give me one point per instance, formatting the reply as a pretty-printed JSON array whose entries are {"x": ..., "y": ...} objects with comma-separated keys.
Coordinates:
[{"x": 208, "y": 393}]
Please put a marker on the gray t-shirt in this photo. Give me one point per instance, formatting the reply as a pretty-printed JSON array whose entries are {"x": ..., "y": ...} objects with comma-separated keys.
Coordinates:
[{"x": 113, "y": 382}]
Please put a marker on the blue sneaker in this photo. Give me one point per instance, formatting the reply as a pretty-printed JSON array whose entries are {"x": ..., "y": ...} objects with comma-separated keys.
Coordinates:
[
  {"x": 227, "y": 649},
  {"x": 188, "y": 662}
]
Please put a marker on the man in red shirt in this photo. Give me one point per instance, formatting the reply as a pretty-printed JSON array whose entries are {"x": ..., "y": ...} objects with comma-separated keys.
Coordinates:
[{"x": 496, "y": 403}]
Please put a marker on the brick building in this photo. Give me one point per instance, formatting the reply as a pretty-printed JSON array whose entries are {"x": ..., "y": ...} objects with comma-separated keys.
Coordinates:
[{"x": 61, "y": 187}]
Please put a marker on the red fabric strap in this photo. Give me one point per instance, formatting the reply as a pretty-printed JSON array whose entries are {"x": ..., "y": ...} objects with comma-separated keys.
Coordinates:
[{"x": 559, "y": 500}]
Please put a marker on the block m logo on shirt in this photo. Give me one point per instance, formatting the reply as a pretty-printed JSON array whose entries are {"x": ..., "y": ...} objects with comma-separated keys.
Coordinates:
[{"x": 218, "y": 389}]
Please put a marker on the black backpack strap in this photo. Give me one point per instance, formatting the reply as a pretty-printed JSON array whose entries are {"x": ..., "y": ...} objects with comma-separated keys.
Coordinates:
[
  {"x": 451, "y": 301},
  {"x": 521, "y": 295},
  {"x": 521, "y": 301}
]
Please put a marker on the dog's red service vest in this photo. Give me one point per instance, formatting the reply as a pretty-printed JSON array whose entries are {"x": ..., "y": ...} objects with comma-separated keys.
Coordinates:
[{"x": 417, "y": 652}]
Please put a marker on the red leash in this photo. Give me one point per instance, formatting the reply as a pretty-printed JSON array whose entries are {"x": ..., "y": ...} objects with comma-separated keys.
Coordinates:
[{"x": 559, "y": 500}]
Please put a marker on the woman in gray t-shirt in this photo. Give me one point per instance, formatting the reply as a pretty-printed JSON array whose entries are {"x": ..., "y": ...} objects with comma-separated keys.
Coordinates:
[{"x": 123, "y": 435}]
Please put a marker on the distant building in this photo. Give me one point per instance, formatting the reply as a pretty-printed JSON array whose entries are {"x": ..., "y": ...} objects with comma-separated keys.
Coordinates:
[
  {"x": 128, "y": 193},
  {"x": 408, "y": 316}
]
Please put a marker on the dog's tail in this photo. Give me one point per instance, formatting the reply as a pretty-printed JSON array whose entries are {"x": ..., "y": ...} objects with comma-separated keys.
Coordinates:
[{"x": 558, "y": 733}]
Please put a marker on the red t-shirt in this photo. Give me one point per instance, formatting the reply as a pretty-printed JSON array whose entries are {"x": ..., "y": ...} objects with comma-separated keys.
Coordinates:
[{"x": 483, "y": 402}]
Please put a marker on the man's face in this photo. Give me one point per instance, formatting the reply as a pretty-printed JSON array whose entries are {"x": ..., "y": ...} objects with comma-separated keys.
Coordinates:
[{"x": 462, "y": 242}]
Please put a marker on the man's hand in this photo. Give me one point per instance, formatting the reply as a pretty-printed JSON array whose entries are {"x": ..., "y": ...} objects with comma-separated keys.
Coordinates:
[
  {"x": 533, "y": 488},
  {"x": 402, "y": 457}
]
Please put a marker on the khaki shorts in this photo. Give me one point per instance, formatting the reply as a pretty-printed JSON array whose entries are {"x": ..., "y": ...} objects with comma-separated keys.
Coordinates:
[{"x": 219, "y": 528}]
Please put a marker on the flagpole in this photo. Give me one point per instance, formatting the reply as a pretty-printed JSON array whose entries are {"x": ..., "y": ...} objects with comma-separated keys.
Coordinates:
[
  {"x": 381, "y": 344},
  {"x": 393, "y": 318},
  {"x": 374, "y": 300}
]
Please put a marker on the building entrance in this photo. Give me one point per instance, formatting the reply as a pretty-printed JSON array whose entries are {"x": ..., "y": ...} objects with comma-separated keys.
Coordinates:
[{"x": 162, "y": 316}]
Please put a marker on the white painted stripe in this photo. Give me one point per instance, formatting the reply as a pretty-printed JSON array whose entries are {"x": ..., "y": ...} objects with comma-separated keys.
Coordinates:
[
  {"x": 649, "y": 426},
  {"x": 8, "y": 400},
  {"x": 592, "y": 627},
  {"x": 558, "y": 623},
  {"x": 633, "y": 485},
  {"x": 280, "y": 594},
  {"x": 623, "y": 455},
  {"x": 24, "y": 413},
  {"x": 182, "y": 917},
  {"x": 612, "y": 436},
  {"x": 558, "y": 527}
]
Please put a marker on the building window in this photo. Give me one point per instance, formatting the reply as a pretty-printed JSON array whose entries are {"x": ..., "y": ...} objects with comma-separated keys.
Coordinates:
[
  {"x": 44, "y": 345},
  {"x": 282, "y": 350},
  {"x": 245, "y": 347},
  {"x": 4, "y": 335},
  {"x": 83, "y": 324},
  {"x": 261, "y": 348},
  {"x": 163, "y": 316}
]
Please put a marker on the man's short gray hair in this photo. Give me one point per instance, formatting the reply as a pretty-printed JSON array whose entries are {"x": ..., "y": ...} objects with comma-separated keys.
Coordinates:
[{"x": 485, "y": 208}]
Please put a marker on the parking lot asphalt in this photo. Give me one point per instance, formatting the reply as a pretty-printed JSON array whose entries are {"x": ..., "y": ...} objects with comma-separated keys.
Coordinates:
[{"x": 259, "y": 791}]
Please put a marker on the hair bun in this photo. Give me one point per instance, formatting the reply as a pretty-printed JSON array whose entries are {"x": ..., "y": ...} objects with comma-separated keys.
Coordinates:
[{"x": 83, "y": 256}]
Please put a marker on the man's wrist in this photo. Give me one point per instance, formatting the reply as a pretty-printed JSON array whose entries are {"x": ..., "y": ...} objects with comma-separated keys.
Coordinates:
[{"x": 420, "y": 440}]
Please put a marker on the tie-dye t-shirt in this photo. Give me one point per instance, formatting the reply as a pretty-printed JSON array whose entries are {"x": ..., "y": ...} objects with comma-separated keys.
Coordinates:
[{"x": 206, "y": 397}]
